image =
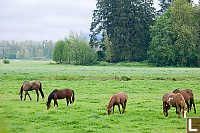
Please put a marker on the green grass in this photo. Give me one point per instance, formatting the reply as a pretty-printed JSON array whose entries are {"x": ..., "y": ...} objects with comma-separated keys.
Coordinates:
[{"x": 93, "y": 85}]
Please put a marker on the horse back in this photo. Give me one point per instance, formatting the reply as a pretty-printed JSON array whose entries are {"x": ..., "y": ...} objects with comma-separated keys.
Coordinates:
[
  {"x": 27, "y": 86},
  {"x": 61, "y": 94},
  {"x": 189, "y": 92},
  {"x": 122, "y": 97}
]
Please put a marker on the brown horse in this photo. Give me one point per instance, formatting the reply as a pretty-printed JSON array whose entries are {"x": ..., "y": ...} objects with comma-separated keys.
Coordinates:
[
  {"x": 61, "y": 94},
  {"x": 174, "y": 100},
  {"x": 188, "y": 96},
  {"x": 29, "y": 86},
  {"x": 117, "y": 99}
]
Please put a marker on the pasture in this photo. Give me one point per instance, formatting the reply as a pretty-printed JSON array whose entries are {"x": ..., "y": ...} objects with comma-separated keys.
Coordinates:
[{"x": 93, "y": 86}]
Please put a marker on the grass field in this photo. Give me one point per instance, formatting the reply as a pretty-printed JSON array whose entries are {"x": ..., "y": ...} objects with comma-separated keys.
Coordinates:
[{"x": 93, "y": 85}]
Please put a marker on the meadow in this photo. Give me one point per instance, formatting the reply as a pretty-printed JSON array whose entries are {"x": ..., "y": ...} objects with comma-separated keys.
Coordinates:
[{"x": 93, "y": 86}]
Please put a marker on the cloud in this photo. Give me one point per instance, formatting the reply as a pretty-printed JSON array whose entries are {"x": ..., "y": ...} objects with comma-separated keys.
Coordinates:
[{"x": 44, "y": 19}]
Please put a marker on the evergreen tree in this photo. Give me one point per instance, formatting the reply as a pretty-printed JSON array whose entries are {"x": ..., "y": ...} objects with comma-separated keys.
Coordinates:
[{"x": 127, "y": 25}]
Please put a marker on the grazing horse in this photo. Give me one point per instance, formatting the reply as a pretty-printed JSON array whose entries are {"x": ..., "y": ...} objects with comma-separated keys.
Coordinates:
[
  {"x": 117, "y": 99},
  {"x": 61, "y": 94},
  {"x": 188, "y": 96},
  {"x": 29, "y": 86},
  {"x": 174, "y": 100}
]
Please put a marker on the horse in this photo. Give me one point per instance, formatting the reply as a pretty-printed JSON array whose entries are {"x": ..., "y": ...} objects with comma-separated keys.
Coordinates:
[
  {"x": 188, "y": 96},
  {"x": 174, "y": 100},
  {"x": 117, "y": 99},
  {"x": 61, "y": 94},
  {"x": 29, "y": 86}
]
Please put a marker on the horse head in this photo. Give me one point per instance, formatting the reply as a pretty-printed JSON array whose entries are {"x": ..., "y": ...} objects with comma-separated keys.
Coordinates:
[
  {"x": 109, "y": 111},
  {"x": 48, "y": 105},
  {"x": 165, "y": 109}
]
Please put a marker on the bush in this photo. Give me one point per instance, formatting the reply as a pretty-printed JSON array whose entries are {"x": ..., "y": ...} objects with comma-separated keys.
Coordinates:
[
  {"x": 6, "y": 61},
  {"x": 125, "y": 78}
]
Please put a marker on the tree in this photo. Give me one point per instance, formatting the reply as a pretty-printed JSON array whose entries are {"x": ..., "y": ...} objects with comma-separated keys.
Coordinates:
[
  {"x": 78, "y": 51},
  {"x": 164, "y": 5},
  {"x": 127, "y": 25},
  {"x": 175, "y": 38},
  {"x": 108, "y": 46},
  {"x": 58, "y": 51}
]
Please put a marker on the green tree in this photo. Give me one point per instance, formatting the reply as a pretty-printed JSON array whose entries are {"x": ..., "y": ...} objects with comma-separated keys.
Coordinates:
[
  {"x": 108, "y": 46},
  {"x": 164, "y": 5},
  {"x": 127, "y": 25},
  {"x": 58, "y": 51},
  {"x": 78, "y": 51},
  {"x": 175, "y": 38}
]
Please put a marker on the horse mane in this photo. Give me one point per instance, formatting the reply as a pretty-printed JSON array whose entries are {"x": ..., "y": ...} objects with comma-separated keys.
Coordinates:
[
  {"x": 110, "y": 104},
  {"x": 51, "y": 95},
  {"x": 21, "y": 90},
  {"x": 176, "y": 91}
]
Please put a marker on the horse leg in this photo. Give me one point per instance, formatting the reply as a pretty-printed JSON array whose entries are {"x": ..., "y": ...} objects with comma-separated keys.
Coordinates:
[
  {"x": 178, "y": 109},
  {"x": 25, "y": 96},
  {"x": 56, "y": 103},
  {"x": 122, "y": 108},
  {"x": 67, "y": 102},
  {"x": 37, "y": 95},
  {"x": 21, "y": 95},
  {"x": 192, "y": 103},
  {"x": 188, "y": 106},
  {"x": 29, "y": 96},
  {"x": 113, "y": 108},
  {"x": 119, "y": 108},
  {"x": 70, "y": 101}
]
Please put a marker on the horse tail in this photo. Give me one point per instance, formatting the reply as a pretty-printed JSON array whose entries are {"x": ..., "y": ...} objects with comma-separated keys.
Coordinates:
[
  {"x": 192, "y": 103},
  {"x": 40, "y": 89},
  {"x": 21, "y": 92},
  {"x": 73, "y": 96}
]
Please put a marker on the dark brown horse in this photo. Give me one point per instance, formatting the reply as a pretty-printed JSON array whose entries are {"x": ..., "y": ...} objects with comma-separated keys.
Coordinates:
[
  {"x": 174, "y": 100},
  {"x": 188, "y": 96},
  {"x": 29, "y": 86},
  {"x": 61, "y": 94},
  {"x": 117, "y": 99}
]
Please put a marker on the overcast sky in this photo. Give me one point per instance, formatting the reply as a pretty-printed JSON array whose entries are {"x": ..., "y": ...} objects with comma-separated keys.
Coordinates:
[{"x": 44, "y": 19}]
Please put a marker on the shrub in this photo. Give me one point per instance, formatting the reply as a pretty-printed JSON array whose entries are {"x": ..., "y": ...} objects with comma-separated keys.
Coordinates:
[
  {"x": 6, "y": 61},
  {"x": 125, "y": 78}
]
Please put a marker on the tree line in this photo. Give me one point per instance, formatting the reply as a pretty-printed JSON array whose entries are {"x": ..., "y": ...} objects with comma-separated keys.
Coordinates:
[
  {"x": 132, "y": 30},
  {"x": 26, "y": 49},
  {"x": 74, "y": 49}
]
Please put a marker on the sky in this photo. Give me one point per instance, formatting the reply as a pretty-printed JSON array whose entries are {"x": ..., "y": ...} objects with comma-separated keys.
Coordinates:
[{"x": 44, "y": 19}]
